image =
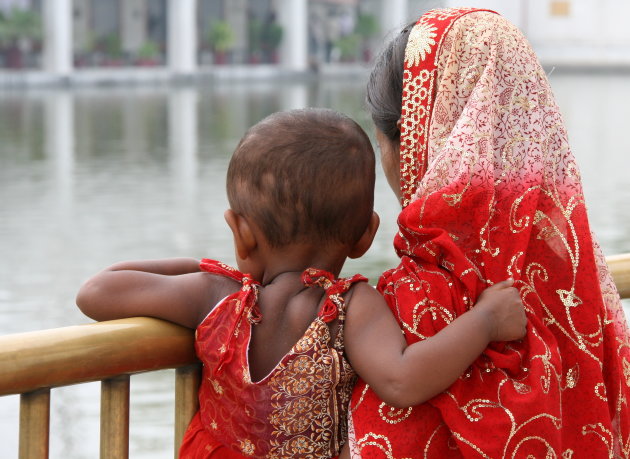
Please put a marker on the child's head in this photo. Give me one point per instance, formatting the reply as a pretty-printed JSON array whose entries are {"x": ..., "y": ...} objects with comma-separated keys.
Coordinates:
[{"x": 304, "y": 176}]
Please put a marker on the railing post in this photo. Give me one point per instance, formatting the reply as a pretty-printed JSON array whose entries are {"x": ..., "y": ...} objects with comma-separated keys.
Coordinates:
[
  {"x": 34, "y": 424},
  {"x": 115, "y": 418},
  {"x": 186, "y": 402}
]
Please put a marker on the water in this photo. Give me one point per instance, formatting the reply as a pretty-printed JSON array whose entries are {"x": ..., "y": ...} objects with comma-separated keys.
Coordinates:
[{"x": 90, "y": 177}]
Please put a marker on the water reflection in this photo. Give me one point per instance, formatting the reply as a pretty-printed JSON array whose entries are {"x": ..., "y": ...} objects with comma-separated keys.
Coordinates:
[{"x": 90, "y": 177}]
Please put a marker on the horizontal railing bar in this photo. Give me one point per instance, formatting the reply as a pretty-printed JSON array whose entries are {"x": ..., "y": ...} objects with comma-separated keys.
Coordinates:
[{"x": 92, "y": 352}]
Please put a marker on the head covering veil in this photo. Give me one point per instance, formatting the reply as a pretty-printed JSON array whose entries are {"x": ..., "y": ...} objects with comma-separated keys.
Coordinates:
[{"x": 490, "y": 190}]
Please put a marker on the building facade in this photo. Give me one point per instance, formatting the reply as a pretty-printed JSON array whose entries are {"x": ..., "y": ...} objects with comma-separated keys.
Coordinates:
[{"x": 60, "y": 37}]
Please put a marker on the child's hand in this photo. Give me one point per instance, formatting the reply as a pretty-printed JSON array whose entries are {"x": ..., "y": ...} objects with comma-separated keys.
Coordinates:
[{"x": 505, "y": 309}]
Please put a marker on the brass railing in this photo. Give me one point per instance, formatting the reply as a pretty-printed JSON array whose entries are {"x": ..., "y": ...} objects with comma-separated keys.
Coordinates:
[{"x": 33, "y": 363}]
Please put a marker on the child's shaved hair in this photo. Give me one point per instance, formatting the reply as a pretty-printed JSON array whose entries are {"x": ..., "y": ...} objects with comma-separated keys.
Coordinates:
[{"x": 304, "y": 176}]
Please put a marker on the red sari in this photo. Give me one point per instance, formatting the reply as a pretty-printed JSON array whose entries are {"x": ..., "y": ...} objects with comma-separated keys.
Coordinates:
[
  {"x": 299, "y": 410},
  {"x": 490, "y": 190}
]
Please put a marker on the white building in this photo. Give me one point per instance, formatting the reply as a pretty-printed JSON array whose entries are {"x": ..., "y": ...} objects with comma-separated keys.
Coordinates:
[
  {"x": 573, "y": 33},
  {"x": 579, "y": 33}
]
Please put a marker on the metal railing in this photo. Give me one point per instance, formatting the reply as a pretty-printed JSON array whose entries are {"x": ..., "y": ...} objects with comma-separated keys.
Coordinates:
[{"x": 33, "y": 363}]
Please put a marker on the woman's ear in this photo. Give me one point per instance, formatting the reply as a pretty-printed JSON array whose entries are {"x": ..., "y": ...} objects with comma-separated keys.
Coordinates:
[
  {"x": 364, "y": 243},
  {"x": 244, "y": 239}
]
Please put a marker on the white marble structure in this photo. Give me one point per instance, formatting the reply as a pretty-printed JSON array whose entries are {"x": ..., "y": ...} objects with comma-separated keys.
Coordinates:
[{"x": 570, "y": 33}]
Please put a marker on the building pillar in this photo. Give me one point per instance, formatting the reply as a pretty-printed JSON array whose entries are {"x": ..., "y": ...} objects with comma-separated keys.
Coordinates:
[
  {"x": 57, "y": 36},
  {"x": 59, "y": 135},
  {"x": 394, "y": 15},
  {"x": 183, "y": 140},
  {"x": 292, "y": 16},
  {"x": 236, "y": 15},
  {"x": 182, "y": 36},
  {"x": 133, "y": 27},
  {"x": 183, "y": 143}
]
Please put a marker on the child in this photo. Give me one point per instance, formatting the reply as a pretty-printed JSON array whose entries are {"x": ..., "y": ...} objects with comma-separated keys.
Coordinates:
[{"x": 281, "y": 344}]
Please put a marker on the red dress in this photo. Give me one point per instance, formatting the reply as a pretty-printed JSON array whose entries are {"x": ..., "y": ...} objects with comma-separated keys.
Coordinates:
[
  {"x": 299, "y": 409},
  {"x": 490, "y": 190}
]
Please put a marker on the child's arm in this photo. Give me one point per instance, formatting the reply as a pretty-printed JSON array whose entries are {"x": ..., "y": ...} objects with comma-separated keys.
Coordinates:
[
  {"x": 403, "y": 375},
  {"x": 171, "y": 289}
]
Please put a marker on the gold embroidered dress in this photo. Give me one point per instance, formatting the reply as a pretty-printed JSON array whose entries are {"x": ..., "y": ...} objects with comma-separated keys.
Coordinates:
[{"x": 299, "y": 410}]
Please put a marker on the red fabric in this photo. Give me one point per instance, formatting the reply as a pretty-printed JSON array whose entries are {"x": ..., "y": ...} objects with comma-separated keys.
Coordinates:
[
  {"x": 198, "y": 443},
  {"x": 299, "y": 409},
  {"x": 491, "y": 190},
  {"x": 334, "y": 288}
]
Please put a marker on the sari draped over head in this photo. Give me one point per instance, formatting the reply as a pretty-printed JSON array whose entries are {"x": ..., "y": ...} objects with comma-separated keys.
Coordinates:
[{"x": 491, "y": 190}]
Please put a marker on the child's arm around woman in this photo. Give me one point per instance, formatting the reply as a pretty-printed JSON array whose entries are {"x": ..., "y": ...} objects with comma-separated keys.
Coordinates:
[{"x": 405, "y": 375}]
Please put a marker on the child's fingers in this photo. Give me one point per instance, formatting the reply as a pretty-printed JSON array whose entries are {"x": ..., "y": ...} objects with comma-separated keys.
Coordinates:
[{"x": 504, "y": 283}]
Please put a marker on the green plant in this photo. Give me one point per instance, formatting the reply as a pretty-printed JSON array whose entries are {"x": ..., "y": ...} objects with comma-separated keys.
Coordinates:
[
  {"x": 367, "y": 26},
  {"x": 19, "y": 24},
  {"x": 149, "y": 50},
  {"x": 254, "y": 35},
  {"x": 221, "y": 36},
  {"x": 271, "y": 36},
  {"x": 348, "y": 47},
  {"x": 111, "y": 46}
]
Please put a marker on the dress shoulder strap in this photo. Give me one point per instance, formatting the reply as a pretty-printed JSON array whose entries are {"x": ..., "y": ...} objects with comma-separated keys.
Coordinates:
[
  {"x": 221, "y": 269},
  {"x": 245, "y": 304},
  {"x": 334, "y": 304}
]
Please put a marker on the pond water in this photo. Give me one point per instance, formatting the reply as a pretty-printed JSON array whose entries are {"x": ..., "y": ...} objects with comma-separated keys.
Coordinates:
[{"x": 90, "y": 177}]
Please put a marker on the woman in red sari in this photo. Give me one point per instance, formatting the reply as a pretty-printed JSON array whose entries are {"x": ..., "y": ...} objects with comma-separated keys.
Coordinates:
[{"x": 473, "y": 143}]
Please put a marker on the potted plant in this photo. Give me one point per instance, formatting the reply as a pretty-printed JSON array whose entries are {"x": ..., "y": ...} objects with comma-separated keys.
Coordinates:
[
  {"x": 366, "y": 28},
  {"x": 20, "y": 31},
  {"x": 221, "y": 39},
  {"x": 348, "y": 47},
  {"x": 148, "y": 53},
  {"x": 111, "y": 49},
  {"x": 254, "y": 40},
  {"x": 271, "y": 37}
]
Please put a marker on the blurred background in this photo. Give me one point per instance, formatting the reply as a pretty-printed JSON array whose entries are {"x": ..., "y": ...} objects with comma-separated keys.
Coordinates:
[{"x": 118, "y": 119}]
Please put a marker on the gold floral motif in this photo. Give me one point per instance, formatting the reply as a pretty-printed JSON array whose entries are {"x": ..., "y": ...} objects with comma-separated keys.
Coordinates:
[
  {"x": 392, "y": 415},
  {"x": 571, "y": 378},
  {"x": 305, "y": 421},
  {"x": 217, "y": 387},
  {"x": 247, "y": 447},
  {"x": 604, "y": 434},
  {"x": 421, "y": 39},
  {"x": 600, "y": 392},
  {"x": 568, "y": 298},
  {"x": 379, "y": 441},
  {"x": 521, "y": 388},
  {"x": 443, "y": 14}
]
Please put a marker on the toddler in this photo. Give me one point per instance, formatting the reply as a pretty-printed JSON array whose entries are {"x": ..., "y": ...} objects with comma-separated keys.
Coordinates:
[{"x": 282, "y": 338}]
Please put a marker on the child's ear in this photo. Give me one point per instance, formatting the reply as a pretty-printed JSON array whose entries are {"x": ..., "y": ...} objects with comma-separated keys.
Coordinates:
[
  {"x": 244, "y": 239},
  {"x": 364, "y": 243}
]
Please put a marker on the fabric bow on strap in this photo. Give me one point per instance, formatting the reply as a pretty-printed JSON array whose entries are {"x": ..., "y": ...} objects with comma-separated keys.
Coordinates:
[{"x": 333, "y": 305}]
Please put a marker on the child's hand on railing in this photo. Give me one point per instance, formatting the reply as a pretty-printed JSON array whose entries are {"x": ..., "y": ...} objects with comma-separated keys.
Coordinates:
[{"x": 506, "y": 313}]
